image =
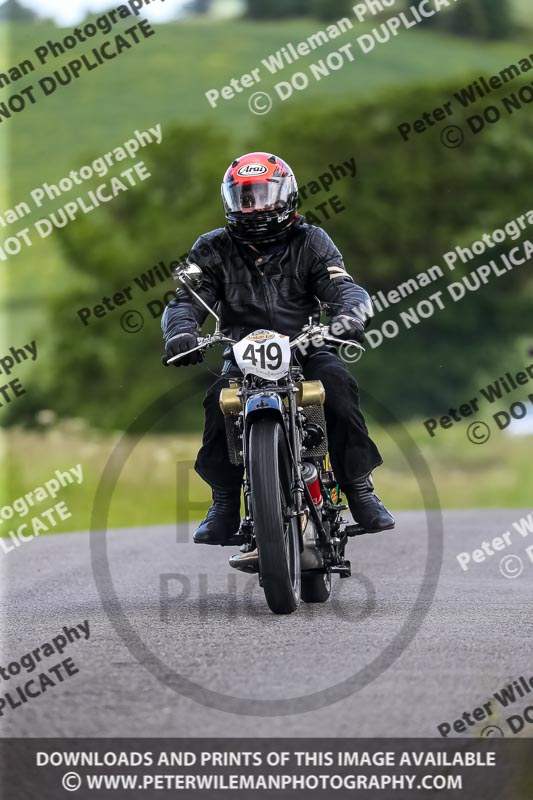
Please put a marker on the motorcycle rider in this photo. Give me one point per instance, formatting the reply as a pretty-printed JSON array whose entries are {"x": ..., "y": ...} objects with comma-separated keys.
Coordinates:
[{"x": 269, "y": 269}]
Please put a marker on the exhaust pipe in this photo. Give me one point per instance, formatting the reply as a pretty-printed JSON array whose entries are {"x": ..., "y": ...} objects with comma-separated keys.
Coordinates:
[{"x": 311, "y": 557}]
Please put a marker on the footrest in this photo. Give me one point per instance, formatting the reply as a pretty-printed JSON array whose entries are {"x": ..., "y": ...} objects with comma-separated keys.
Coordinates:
[
  {"x": 354, "y": 530},
  {"x": 234, "y": 541},
  {"x": 344, "y": 570}
]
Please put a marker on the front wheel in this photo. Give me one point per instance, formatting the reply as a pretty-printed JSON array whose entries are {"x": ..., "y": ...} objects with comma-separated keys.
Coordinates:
[{"x": 276, "y": 532}]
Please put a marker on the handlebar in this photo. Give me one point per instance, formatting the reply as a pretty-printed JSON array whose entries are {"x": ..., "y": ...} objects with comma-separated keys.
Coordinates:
[
  {"x": 313, "y": 333},
  {"x": 317, "y": 334},
  {"x": 204, "y": 342}
]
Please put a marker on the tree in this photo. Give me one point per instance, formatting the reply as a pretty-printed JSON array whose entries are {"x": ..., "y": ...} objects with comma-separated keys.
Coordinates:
[
  {"x": 276, "y": 9},
  {"x": 331, "y": 10},
  {"x": 482, "y": 19},
  {"x": 409, "y": 204},
  {"x": 199, "y": 6},
  {"x": 469, "y": 20},
  {"x": 106, "y": 373},
  {"x": 14, "y": 12},
  {"x": 499, "y": 18}
]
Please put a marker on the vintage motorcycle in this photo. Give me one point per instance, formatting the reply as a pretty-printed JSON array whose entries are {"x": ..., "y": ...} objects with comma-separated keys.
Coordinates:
[{"x": 276, "y": 429}]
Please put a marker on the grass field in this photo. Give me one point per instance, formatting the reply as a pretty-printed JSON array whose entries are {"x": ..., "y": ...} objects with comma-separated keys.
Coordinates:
[{"x": 497, "y": 474}]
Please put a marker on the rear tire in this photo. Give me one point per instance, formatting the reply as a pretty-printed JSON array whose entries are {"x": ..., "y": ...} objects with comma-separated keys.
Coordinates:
[
  {"x": 316, "y": 587},
  {"x": 278, "y": 543}
]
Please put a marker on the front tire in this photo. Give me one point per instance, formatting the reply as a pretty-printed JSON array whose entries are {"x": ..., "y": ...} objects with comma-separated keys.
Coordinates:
[{"x": 278, "y": 543}]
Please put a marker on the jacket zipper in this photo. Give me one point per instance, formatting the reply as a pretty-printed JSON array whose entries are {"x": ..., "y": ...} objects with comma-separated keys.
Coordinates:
[{"x": 265, "y": 295}]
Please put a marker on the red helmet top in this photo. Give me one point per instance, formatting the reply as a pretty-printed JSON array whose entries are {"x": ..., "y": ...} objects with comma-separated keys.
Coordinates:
[{"x": 260, "y": 196}]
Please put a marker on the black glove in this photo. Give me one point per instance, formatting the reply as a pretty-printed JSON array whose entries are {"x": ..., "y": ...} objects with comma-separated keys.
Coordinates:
[
  {"x": 181, "y": 343},
  {"x": 348, "y": 328}
]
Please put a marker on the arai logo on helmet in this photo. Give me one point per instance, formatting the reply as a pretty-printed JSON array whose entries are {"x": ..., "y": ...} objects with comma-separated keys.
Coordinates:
[{"x": 252, "y": 170}]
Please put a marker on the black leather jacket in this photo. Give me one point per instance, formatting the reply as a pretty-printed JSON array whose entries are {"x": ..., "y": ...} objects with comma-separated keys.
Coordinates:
[{"x": 277, "y": 291}]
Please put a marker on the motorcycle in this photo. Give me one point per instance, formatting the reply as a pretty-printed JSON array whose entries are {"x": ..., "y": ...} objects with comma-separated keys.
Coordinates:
[{"x": 276, "y": 430}]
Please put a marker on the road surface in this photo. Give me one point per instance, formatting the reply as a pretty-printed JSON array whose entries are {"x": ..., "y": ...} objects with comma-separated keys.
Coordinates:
[{"x": 193, "y": 616}]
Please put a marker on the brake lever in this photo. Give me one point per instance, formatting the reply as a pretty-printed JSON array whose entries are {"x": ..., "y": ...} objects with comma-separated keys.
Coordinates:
[
  {"x": 329, "y": 338},
  {"x": 309, "y": 333},
  {"x": 173, "y": 360},
  {"x": 204, "y": 343},
  {"x": 322, "y": 331}
]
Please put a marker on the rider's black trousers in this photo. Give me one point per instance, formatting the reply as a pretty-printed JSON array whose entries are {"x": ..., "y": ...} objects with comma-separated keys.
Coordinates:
[{"x": 353, "y": 453}]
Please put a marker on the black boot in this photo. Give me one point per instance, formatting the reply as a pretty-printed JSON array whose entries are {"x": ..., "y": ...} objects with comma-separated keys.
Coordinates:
[
  {"x": 223, "y": 519},
  {"x": 366, "y": 507}
]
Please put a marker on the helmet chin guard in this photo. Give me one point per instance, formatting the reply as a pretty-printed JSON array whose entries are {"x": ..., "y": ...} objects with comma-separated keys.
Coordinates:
[{"x": 260, "y": 197}]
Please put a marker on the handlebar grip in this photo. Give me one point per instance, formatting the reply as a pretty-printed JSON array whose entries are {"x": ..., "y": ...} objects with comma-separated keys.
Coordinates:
[{"x": 165, "y": 359}]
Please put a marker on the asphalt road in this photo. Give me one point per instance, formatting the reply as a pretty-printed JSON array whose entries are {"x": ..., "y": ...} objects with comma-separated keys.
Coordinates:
[{"x": 198, "y": 618}]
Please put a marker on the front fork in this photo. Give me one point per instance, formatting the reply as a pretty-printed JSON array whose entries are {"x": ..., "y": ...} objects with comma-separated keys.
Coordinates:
[
  {"x": 272, "y": 404},
  {"x": 298, "y": 488}
]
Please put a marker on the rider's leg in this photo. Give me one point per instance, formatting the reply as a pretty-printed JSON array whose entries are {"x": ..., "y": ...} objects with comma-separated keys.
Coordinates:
[
  {"x": 214, "y": 466},
  {"x": 353, "y": 453}
]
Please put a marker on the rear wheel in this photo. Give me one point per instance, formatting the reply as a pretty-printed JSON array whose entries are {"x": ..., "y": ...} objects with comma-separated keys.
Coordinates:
[
  {"x": 316, "y": 587},
  {"x": 278, "y": 543}
]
